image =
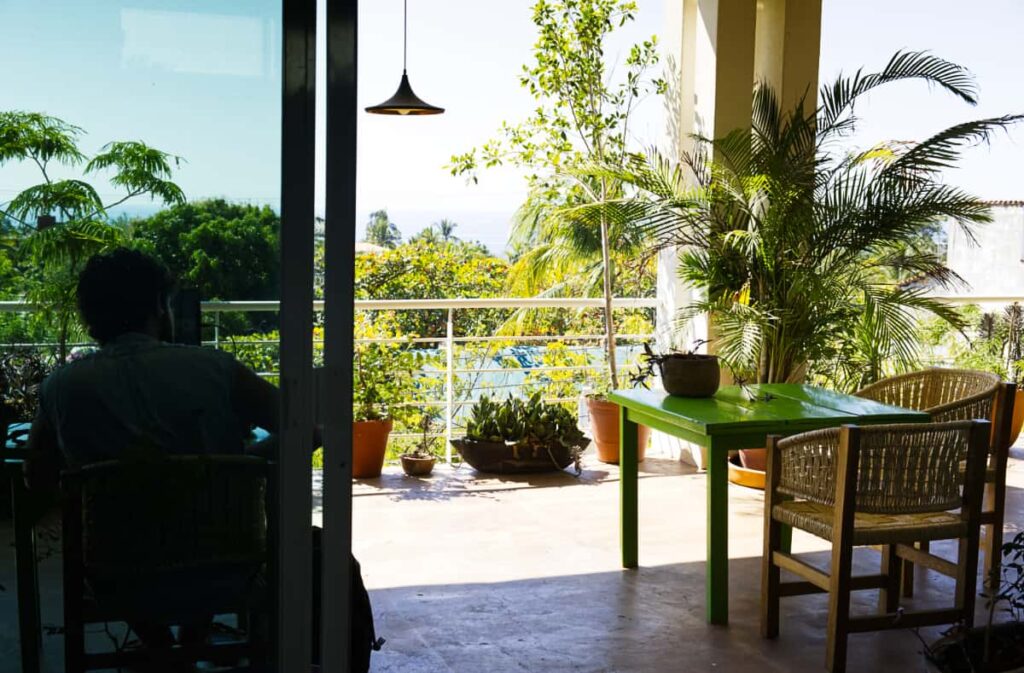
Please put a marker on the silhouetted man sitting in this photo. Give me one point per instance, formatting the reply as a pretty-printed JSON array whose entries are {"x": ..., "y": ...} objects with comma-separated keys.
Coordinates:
[{"x": 139, "y": 391}]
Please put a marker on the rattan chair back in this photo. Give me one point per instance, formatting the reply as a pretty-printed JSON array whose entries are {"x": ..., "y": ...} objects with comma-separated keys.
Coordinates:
[
  {"x": 904, "y": 469},
  {"x": 947, "y": 394}
]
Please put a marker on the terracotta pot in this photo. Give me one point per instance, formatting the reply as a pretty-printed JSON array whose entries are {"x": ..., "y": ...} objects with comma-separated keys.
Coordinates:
[
  {"x": 604, "y": 425},
  {"x": 690, "y": 375},
  {"x": 369, "y": 443},
  {"x": 415, "y": 466},
  {"x": 1018, "y": 416},
  {"x": 754, "y": 459},
  {"x": 743, "y": 476}
]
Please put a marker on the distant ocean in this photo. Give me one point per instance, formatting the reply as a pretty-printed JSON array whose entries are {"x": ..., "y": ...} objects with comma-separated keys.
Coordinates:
[{"x": 490, "y": 228}]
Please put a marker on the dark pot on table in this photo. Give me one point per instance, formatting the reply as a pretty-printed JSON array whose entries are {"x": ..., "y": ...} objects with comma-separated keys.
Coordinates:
[{"x": 690, "y": 374}]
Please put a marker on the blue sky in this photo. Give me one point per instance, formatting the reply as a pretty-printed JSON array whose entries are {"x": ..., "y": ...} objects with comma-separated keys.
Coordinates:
[{"x": 201, "y": 79}]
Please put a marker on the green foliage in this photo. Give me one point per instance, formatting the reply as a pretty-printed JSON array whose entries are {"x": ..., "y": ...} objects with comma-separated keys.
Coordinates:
[
  {"x": 530, "y": 423},
  {"x": 383, "y": 381},
  {"x": 226, "y": 250},
  {"x": 560, "y": 383},
  {"x": 991, "y": 342},
  {"x": 582, "y": 116},
  {"x": 800, "y": 246},
  {"x": 21, "y": 375},
  {"x": 61, "y": 223},
  {"x": 380, "y": 230},
  {"x": 433, "y": 270},
  {"x": 260, "y": 352}
]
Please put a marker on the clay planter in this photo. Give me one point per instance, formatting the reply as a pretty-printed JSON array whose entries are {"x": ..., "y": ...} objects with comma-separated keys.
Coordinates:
[
  {"x": 414, "y": 466},
  {"x": 754, "y": 459},
  {"x": 745, "y": 477},
  {"x": 1018, "y": 416},
  {"x": 604, "y": 424},
  {"x": 502, "y": 458},
  {"x": 369, "y": 443},
  {"x": 690, "y": 374}
]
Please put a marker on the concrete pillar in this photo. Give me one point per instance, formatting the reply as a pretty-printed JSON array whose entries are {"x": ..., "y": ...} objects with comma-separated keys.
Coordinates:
[
  {"x": 709, "y": 58},
  {"x": 714, "y": 51},
  {"x": 788, "y": 49}
]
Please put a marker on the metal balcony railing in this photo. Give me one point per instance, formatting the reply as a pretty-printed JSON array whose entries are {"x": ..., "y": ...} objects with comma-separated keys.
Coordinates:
[{"x": 448, "y": 343}]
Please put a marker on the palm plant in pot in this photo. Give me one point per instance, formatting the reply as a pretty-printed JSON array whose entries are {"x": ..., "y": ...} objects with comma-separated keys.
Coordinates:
[{"x": 799, "y": 243}]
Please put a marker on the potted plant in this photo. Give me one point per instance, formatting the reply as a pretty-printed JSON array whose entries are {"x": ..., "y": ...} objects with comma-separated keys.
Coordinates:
[
  {"x": 516, "y": 436},
  {"x": 604, "y": 424},
  {"x": 21, "y": 374},
  {"x": 420, "y": 461},
  {"x": 684, "y": 374},
  {"x": 382, "y": 375},
  {"x": 993, "y": 647}
]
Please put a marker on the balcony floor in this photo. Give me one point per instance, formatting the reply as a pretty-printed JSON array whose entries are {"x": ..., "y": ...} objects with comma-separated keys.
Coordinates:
[{"x": 473, "y": 574}]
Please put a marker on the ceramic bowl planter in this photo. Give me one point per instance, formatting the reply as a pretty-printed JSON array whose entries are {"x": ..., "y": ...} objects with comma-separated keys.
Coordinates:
[
  {"x": 418, "y": 466},
  {"x": 520, "y": 435},
  {"x": 369, "y": 444},
  {"x": 604, "y": 424},
  {"x": 690, "y": 374},
  {"x": 506, "y": 458}
]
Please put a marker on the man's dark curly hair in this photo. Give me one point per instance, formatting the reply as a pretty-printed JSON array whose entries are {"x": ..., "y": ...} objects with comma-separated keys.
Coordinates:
[{"x": 119, "y": 291}]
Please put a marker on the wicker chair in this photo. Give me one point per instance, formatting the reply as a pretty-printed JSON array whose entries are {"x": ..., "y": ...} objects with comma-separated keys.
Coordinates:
[
  {"x": 959, "y": 395},
  {"x": 887, "y": 485},
  {"x": 168, "y": 540},
  {"x": 946, "y": 394}
]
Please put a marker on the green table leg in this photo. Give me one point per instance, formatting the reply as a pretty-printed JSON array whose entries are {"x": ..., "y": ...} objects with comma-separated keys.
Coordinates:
[
  {"x": 786, "y": 539},
  {"x": 717, "y": 581},
  {"x": 628, "y": 489}
]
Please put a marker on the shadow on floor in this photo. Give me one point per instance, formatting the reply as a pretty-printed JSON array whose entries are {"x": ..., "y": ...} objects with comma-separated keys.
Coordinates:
[{"x": 649, "y": 620}]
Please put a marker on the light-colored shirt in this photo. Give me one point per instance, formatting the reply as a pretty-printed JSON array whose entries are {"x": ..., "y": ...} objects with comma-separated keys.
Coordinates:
[{"x": 138, "y": 393}]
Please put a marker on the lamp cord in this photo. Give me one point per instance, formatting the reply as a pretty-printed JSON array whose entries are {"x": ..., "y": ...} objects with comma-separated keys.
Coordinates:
[{"x": 405, "y": 32}]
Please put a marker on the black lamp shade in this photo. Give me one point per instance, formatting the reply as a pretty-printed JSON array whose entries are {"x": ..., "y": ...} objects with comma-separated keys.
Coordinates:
[{"x": 405, "y": 102}]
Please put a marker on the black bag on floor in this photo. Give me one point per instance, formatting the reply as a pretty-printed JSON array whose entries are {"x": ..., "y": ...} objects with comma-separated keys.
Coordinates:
[{"x": 364, "y": 638}]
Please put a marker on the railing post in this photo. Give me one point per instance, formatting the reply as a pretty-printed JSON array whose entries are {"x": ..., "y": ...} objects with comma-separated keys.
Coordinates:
[
  {"x": 449, "y": 384},
  {"x": 216, "y": 330}
]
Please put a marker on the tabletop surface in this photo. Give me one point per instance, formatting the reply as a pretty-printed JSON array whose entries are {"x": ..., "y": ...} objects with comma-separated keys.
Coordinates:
[{"x": 788, "y": 405}]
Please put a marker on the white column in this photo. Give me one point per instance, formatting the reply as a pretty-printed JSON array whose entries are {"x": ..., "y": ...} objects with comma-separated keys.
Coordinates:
[{"x": 709, "y": 62}]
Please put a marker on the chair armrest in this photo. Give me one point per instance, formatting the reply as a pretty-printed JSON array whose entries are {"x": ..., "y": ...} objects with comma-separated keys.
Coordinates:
[{"x": 807, "y": 465}]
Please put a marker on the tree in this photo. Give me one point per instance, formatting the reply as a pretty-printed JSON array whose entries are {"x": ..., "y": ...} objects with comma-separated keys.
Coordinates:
[
  {"x": 380, "y": 230},
  {"x": 446, "y": 229},
  {"x": 800, "y": 245},
  {"x": 225, "y": 250},
  {"x": 425, "y": 269},
  {"x": 61, "y": 223},
  {"x": 581, "y": 117}
]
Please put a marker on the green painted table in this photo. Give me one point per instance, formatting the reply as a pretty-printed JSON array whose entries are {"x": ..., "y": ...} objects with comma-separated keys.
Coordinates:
[{"x": 729, "y": 420}]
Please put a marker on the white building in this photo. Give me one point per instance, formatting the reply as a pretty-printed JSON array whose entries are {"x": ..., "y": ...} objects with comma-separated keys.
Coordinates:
[{"x": 993, "y": 265}]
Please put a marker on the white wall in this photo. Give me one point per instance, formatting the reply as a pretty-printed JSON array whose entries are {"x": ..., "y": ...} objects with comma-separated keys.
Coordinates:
[{"x": 994, "y": 266}]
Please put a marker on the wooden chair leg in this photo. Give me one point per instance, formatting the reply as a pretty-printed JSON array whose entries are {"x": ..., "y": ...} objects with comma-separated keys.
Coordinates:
[
  {"x": 842, "y": 550},
  {"x": 908, "y": 571},
  {"x": 889, "y": 597},
  {"x": 992, "y": 548},
  {"x": 839, "y": 609},
  {"x": 966, "y": 579},
  {"x": 770, "y": 577}
]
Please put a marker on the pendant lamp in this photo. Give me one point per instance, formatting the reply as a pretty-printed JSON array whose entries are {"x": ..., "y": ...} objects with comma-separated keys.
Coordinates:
[{"x": 405, "y": 101}]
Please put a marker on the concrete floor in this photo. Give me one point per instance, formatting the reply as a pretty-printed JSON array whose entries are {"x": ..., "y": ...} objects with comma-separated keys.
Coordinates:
[{"x": 472, "y": 574}]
